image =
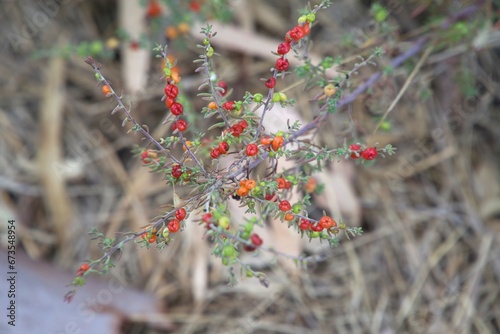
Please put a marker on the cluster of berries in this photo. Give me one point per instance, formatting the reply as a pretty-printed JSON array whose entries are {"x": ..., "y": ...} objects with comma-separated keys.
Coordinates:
[{"x": 357, "y": 151}]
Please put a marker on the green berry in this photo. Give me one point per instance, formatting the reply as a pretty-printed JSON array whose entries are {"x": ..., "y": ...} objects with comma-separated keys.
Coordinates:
[
  {"x": 224, "y": 221},
  {"x": 249, "y": 273},
  {"x": 283, "y": 97},
  {"x": 248, "y": 227},
  {"x": 297, "y": 208},
  {"x": 258, "y": 97},
  {"x": 245, "y": 235},
  {"x": 314, "y": 234},
  {"x": 276, "y": 97},
  {"x": 166, "y": 233},
  {"x": 225, "y": 261},
  {"x": 230, "y": 251},
  {"x": 311, "y": 17},
  {"x": 302, "y": 19}
]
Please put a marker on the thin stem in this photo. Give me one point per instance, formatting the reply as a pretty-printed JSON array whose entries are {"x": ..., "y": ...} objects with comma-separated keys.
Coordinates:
[{"x": 193, "y": 156}]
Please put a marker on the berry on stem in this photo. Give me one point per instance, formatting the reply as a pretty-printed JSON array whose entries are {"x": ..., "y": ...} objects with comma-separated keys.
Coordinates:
[
  {"x": 285, "y": 206},
  {"x": 171, "y": 91},
  {"x": 369, "y": 153},
  {"x": 106, "y": 90},
  {"x": 277, "y": 142},
  {"x": 223, "y": 147},
  {"x": 255, "y": 239},
  {"x": 271, "y": 82},
  {"x": 215, "y": 153},
  {"x": 176, "y": 109},
  {"x": 242, "y": 191},
  {"x": 173, "y": 226},
  {"x": 176, "y": 171},
  {"x": 181, "y": 125},
  {"x": 180, "y": 214},
  {"x": 327, "y": 222},
  {"x": 223, "y": 85},
  {"x": 252, "y": 149},
  {"x": 283, "y": 48},
  {"x": 355, "y": 150},
  {"x": 304, "y": 224},
  {"x": 282, "y": 64}
]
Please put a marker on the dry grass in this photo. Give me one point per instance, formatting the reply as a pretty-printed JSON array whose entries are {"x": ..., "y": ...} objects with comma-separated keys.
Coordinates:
[{"x": 428, "y": 262}]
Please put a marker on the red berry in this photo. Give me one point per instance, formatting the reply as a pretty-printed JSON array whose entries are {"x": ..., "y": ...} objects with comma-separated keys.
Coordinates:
[
  {"x": 285, "y": 206},
  {"x": 229, "y": 105},
  {"x": 207, "y": 218},
  {"x": 215, "y": 153},
  {"x": 282, "y": 64},
  {"x": 144, "y": 155},
  {"x": 152, "y": 239},
  {"x": 306, "y": 29},
  {"x": 176, "y": 171},
  {"x": 281, "y": 183},
  {"x": 237, "y": 129},
  {"x": 316, "y": 227},
  {"x": 288, "y": 184},
  {"x": 153, "y": 9},
  {"x": 243, "y": 124},
  {"x": 171, "y": 91},
  {"x": 355, "y": 149},
  {"x": 248, "y": 248},
  {"x": 296, "y": 33},
  {"x": 223, "y": 147},
  {"x": 180, "y": 214},
  {"x": 252, "y": 149},
  {"x": 270, "y": 83},
  {"x": 181, "y": 125},
  {"x": 304, "y": 224},
  {"x": 223, "y": 85},
  {"x": 283, "y": 48},
  {"x": 173, "y": 225},
  {"x": 255, "y": 239},
  {"x": 270, "y": 197},
  {"x": 176, "y": 109},
  {"x": 369, "y": 153},
  {"x": 194, "y": 6}
]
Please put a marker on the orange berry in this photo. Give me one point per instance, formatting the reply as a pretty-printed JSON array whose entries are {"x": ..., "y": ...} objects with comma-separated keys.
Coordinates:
[
  {"x": 176, "y": 78},
  {"x": 106, "y": 90},
  {"x": 242, "y": 191},
  {"x": 250, "y": 184},
  {"x": 289, "y": 216},
  {"x": 277, "y": 142},
  {"x": 189, "y": 144},
  {"x": 310, "y": 186},
  {"x": 327, "y": 222},
  {"x": 266, "y": 141},
  {"x": 212, "y": 105},
  {"x": 183, "y": 28},
  {"x": 171, "y": 32}
]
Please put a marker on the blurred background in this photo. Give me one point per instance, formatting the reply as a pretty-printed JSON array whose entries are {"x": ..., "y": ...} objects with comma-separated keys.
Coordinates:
[{"x": 428, "y": 261}]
